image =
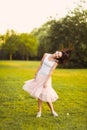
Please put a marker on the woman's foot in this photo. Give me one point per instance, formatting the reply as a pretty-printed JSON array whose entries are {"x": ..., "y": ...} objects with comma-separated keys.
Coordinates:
[
  {"x": 54, "y": 113},
  {"x": 38, "y": 114}
]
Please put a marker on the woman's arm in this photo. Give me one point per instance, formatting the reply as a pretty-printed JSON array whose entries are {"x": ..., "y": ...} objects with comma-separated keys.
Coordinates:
[
  {"x": 51, "y": 71},
  {"x": 41, "y": 63}
]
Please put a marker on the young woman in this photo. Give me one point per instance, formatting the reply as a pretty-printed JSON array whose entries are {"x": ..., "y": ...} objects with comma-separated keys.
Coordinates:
[{"x": 41, "y": 87}]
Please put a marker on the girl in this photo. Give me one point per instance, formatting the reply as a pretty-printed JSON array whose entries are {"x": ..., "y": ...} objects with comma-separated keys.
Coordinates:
[{"x": 41, "y": 87}]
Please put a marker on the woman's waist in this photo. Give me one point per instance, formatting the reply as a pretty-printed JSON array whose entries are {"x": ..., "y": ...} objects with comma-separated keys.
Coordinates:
[{"x": 43, "y": 72}]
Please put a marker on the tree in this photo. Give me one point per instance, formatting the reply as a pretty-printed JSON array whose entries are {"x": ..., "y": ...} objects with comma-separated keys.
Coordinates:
[
  {"x": 28, "y": 46},
  {"x": 68, "y": 32},
  {"x": 42, "y": 37},
  {"x": 10, "y": 46}
]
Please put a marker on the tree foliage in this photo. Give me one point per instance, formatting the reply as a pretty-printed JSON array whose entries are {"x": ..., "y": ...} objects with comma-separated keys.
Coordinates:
[
  {"x": 27, "y": 46},
  {"x": 19, "y": 46},
  {"x": 10, "y": 46}
]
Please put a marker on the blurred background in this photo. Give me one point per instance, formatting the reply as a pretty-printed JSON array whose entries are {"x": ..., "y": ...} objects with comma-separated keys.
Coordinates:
[{"x": 30, "y": 28}]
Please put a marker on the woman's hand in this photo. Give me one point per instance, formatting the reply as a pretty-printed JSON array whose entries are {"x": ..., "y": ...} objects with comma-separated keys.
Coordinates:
[
  {"x": 35, "y": 76},
  {"x": 45, "y": 85}
]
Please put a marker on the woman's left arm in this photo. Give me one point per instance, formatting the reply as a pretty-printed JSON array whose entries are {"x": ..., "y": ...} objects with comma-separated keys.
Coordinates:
[{"x": 51, "y": 71}]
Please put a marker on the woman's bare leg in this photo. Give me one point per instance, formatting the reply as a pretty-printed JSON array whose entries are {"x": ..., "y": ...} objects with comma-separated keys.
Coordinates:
[
  {"x": 39, "y": 105},
  {"x": 39, "y": 108},
  {"x": 52, "y": 108}
]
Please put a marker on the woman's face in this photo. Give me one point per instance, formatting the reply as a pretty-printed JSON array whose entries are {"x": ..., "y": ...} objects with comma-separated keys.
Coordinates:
[{"x": 58, "y": 54}]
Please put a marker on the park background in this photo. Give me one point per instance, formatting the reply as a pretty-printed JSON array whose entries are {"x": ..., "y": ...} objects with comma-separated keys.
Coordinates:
[{"x": 20, "y": 54}]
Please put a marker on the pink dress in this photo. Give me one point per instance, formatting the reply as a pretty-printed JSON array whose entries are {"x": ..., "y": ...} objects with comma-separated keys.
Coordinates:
[{"x": 35, "y": 86}]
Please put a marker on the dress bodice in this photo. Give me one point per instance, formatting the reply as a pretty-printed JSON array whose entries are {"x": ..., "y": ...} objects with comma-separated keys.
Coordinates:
[{"x": 46, "y": 66}]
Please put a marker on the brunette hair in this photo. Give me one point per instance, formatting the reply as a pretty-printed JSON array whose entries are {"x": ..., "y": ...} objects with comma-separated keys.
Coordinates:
[{"x": 65, "y": 56}]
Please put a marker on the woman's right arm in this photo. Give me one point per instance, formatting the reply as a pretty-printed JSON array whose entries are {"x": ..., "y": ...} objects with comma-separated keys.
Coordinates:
[{"x": 41, "y": 63}]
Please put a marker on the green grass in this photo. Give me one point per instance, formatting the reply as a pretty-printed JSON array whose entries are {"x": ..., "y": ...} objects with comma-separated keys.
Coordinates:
[{"x": 18, "y": 109}]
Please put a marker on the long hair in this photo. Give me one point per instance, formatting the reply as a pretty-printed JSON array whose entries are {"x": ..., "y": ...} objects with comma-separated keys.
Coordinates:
[{"x": 65, "y": 55}]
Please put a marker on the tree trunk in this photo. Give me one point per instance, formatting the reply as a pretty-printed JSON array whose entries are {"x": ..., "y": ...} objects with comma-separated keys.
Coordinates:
[
  {"x": 10, "y": 56},
  {"x": 23, "y": 57},
  {"x": 27, "y": 58}
]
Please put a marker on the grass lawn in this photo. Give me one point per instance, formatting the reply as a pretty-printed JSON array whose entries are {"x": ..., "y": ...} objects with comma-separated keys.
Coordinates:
[{"x": 18, "y": 109}]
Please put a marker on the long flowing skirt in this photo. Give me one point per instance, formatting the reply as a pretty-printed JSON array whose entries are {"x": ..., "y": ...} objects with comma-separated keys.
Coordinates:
[{"x": 36, "y": 89}]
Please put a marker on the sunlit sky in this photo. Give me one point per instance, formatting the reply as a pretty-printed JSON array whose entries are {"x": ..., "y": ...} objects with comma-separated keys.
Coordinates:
[{"x": 25, "y": 15}]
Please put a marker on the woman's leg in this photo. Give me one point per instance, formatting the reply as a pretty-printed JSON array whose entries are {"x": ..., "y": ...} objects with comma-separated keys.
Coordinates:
[
  {"x": 39, "y": 105},
  {"x": 39, "y": 108},
  {"x": 52, "y": 108}
]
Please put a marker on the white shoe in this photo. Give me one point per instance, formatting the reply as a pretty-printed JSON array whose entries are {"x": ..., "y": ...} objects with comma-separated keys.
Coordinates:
[
  {"x": 38, "y": 114},
  {"x": 54, "y": 113}
]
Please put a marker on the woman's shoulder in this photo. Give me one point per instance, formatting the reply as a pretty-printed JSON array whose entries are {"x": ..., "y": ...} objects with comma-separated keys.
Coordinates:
[{"x": 46, "y": 54}]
